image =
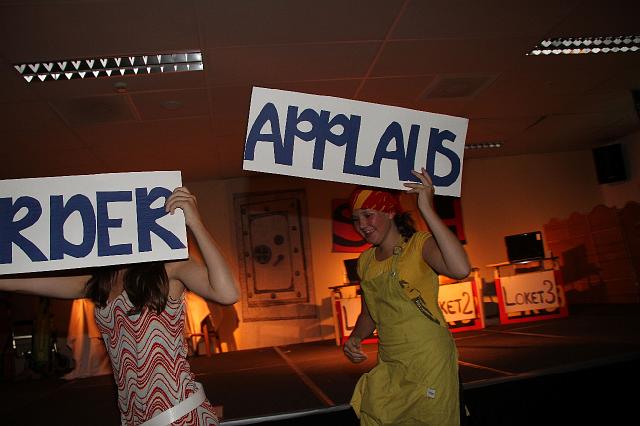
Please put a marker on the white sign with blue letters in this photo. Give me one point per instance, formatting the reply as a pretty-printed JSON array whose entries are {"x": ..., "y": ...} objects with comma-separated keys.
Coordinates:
[
  {"x": 342, "y": 140},
  {"x": 70, "y": 222}
]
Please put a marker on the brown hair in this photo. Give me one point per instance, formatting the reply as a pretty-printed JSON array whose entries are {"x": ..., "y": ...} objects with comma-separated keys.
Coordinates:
[
  {"x": 146, "y": 284},
  {"x": 405, "y": 225}
]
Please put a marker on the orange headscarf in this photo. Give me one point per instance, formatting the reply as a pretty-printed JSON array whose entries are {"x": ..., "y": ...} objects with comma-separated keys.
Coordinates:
[{"x": 375, "y": 199}]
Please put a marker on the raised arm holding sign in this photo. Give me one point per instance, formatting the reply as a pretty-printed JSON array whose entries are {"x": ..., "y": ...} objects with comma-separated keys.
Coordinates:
[{"x": 140, "y": 313}]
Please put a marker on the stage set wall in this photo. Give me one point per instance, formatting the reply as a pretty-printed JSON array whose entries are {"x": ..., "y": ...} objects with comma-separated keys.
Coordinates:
[{"x": 500, "y": 196}]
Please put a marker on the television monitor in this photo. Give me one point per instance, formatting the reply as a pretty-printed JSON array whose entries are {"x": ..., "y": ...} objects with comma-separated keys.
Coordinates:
[
  {"x": 524, "y": 247},
  {"x": 351, "y": 266},
  {"x": 609, "y": 161}
]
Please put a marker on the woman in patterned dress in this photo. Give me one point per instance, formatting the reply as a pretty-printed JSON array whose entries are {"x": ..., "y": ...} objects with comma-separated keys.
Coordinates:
[
  {"x": 415, "y": 381},
  {"x": 140, "y": 313}
]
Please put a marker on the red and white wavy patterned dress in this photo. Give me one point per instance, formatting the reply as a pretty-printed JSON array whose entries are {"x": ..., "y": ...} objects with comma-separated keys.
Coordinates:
[{"x": 148, "y": 355}]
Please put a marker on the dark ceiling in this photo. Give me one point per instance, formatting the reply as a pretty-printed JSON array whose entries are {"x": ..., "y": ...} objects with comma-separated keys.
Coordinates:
[{"x": 464, "y": 58}]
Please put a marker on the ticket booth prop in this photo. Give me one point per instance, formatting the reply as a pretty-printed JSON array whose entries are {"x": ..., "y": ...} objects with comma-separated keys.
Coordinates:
[
  {"x": 346, "y": 304},
  {"x": 460, "y": 302},
  {"x": 529, "y": 291}
]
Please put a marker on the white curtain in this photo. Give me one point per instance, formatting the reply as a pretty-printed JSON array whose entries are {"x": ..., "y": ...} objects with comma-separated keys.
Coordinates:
[{"x": 85, "y": 341}]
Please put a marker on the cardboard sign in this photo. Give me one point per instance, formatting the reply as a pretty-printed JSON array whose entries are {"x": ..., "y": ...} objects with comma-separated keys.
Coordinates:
[
  {"x": 70, "y": 222},
  {"x": 350, "y": 309},
  {"x": 536, "y": 290},
  {"x": 342, "y": 140},
  {"x": 457, "y": 302}
]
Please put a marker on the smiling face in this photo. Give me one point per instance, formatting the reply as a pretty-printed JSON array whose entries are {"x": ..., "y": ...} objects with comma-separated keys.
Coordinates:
[{"x": 373, "y": 225}]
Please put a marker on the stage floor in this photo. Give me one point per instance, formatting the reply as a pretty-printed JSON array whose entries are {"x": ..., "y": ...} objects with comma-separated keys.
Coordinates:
[{"x": 280, "y": 382}]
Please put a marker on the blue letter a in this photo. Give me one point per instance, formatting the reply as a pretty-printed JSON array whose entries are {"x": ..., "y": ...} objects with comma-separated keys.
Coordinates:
[{"x": 268, "y": 114}]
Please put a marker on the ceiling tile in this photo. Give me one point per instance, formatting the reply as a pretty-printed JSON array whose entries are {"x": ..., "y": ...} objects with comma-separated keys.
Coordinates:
[
  {"x": 244, "y": 23},
  {"x": 600, "y": 18},
  {"x": 399, "y": 91},
  {"x": 382, "y": 51},
  {"x": 35, "y": 124},
  {"x": 258, "y": 65},
  {"x": 420, "y": 57},
  {"x": 41, "y": 31},
  {"x": 171, "y": 104},
  {"x": 342, "y": 88},
  {"x": 32, "y": 161},
  {"x": 96, "y": 109},
  {"x": 469, "y": 18},
  {"x": 497, "y": 130}
]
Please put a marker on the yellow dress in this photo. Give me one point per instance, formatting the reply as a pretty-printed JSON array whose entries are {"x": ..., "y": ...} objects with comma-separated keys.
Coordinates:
[{"x": 415, "y": 381}]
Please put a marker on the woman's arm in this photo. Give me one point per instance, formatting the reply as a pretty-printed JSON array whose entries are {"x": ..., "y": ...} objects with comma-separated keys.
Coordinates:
[
  {"x": 210, "y": 277},
  {"x": 61, "y": 287},
  {"x": 363, "y": 328},
  {"x": 443, "y": 252}
]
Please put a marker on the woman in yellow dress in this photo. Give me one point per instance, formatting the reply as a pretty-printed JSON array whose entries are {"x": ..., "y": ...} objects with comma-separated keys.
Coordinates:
[{"x": 415, "y": 381}]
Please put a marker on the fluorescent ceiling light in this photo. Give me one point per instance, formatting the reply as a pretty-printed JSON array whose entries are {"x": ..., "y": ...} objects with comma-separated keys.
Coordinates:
[
  {"x": 69, "y": 69},
  {"x": 581, "y": 46},
  {"x": 483, "y": 145}
]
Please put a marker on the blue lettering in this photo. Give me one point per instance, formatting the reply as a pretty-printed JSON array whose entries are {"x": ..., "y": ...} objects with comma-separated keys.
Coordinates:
[
  {"x": 105, "y": 222},
  {"x": 268, "y": 114},
  {"x": 349, "y": 136},
  {"x": 408, "y": 163},
  {"x": 147, "y": 219},
  {"x": 10, "y": 230},
  {"x": 321, "y": 132},
  {"x": 60, "y": 212},
  {"x": 393, "y": 132},
  {"x": 291, "y": 131},
  {"x": 405, "y": 160},
  {"x": 436, "y": 138}
]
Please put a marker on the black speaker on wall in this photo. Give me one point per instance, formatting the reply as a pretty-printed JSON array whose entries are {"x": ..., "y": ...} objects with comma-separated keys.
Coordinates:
[{"x": 609, "y": 162}]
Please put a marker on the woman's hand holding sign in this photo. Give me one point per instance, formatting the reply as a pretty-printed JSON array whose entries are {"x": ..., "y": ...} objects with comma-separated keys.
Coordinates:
[
  {"x": 443, "y": 252},
  {"x": 424, "y": 189},
  {"x": 182, "y": 199}
]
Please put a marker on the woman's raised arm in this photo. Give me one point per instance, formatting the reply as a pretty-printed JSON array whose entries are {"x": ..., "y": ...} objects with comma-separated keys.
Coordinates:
[
  {"x": 443, "y": 252},
  {"x": 210, "y": 277}
]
